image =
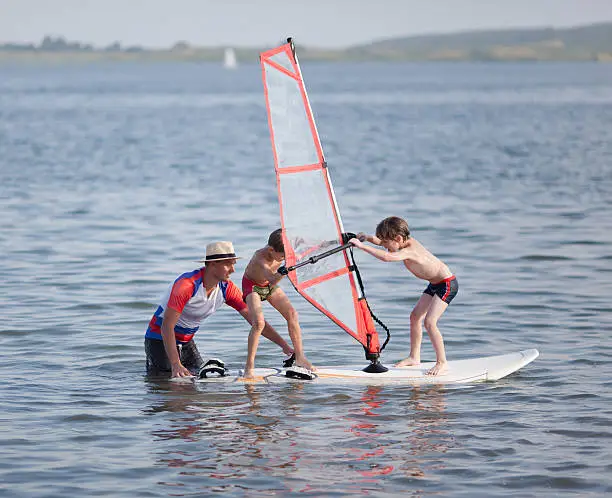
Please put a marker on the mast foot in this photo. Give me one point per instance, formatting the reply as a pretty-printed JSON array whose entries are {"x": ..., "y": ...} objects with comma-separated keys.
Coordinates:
[{"x": 375, "y": 367}]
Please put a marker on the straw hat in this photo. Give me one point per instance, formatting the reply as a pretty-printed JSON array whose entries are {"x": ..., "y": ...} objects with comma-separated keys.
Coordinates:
[{"x": 218, "y": 251}]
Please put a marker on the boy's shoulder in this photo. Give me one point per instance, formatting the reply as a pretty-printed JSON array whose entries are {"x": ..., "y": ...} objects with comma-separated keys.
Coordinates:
[
  {"x": 259, "y": 256},
  {"x": 412, "y": 247},
  {"x": 413, "y": 243}
]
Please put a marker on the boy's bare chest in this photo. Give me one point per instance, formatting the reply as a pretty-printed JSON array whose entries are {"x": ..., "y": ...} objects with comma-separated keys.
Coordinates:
[{"x": 259, "y": 268}]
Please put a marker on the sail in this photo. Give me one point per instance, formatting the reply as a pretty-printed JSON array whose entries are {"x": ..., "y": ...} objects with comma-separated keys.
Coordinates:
[
  {"x": 309, "y": 212},
  {"x": 229, "y": 59}
]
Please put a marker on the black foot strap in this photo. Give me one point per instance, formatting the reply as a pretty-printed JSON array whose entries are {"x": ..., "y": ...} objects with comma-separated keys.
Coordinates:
[
  {"x": 296, "y": 372},
  {"x": 214, "y": 366},
  {"x": 289, "y": 361}
]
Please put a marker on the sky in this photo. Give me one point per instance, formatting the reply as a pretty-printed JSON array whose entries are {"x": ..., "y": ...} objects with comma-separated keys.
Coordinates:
[{"x": 257, "y": 23}]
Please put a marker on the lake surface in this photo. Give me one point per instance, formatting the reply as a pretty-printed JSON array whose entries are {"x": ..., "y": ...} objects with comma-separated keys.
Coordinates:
[{"x": 114, "y": 177}]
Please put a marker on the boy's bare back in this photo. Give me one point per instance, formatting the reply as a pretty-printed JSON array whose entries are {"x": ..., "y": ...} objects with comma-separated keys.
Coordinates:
[{"x": 422, "y": 263}]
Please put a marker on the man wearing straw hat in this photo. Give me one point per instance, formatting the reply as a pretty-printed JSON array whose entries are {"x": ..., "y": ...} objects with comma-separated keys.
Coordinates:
[{"x": 191, "y": 298}]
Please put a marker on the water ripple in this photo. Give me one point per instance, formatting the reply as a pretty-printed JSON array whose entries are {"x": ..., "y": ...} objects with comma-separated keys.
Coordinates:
[{"x": 115, "y": 177}]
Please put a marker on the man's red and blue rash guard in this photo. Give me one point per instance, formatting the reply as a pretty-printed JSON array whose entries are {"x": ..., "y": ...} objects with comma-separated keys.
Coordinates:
[{"x": 187, "y": 295}]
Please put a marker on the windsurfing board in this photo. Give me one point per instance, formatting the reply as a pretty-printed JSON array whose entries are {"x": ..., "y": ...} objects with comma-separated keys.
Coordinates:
[{"x": 489, "y": 368}]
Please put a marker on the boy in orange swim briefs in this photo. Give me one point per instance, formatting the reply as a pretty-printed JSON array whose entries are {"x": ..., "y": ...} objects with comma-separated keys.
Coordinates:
[
  {"x": 259, "y": 284},
  {"x": 393, "y": 234}
]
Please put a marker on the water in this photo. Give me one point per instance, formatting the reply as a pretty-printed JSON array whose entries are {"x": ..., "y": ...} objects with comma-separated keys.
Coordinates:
[{"x": 114, "y": 177}]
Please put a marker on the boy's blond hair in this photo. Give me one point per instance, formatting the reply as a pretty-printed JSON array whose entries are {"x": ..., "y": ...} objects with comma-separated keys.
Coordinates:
[
  {"x": 391, "y": 227},
  {"x": 275, "y": 241}
]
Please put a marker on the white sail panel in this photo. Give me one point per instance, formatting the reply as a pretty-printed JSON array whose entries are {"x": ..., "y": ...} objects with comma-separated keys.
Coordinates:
[
  {"x": 293, "y": 138},
  {"x": 307, "y": 211},
  {"x": 334, "y": 294},
  {"x": 283, "y": 60}
]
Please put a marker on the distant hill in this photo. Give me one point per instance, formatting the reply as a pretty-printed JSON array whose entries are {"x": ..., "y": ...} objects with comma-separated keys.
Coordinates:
[
  {"x": 592, "y": 42},
  {"x": 583, "y": 43}
]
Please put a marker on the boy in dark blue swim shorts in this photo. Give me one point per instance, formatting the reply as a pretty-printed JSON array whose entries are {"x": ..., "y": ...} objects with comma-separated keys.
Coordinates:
[{"x": 393, "y": 234}]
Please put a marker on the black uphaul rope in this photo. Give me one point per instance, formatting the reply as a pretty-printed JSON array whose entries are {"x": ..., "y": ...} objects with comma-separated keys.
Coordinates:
[
  {"x": 374, "y": 317},
  {"x": 343, "y": 247}
]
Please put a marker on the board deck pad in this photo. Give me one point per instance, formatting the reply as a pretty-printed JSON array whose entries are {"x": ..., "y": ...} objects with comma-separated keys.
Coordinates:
[{"x": 489, "y": 368}]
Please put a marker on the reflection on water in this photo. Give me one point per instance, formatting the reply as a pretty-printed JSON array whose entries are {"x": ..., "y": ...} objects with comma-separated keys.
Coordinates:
[
  {"x": 366, "y": 434},
  {"x": 502, "y": 170},
  {"x": 228, "y": 432},
  {"x": 426, "y": 432},
  {"x": 236, "y": 436}
]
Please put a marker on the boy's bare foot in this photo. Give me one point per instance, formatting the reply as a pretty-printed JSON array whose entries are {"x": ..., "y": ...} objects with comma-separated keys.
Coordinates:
[
  {"x": 301, "y": 361},
  {"x": 408, "y": 362},
  {"x": 438, "y": 369},
  {"x": 248, "y": 374}
]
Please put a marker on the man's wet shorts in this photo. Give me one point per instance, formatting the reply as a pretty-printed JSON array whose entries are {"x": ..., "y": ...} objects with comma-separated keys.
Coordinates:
[{"x": 445, "y": 290}]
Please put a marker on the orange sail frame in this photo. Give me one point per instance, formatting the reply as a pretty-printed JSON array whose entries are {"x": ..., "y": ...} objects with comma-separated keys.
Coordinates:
[{"x": 281, "y": 64}]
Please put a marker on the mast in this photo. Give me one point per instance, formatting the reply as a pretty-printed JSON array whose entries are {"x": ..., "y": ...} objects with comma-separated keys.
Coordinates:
[{"x": 321, "y": 266}]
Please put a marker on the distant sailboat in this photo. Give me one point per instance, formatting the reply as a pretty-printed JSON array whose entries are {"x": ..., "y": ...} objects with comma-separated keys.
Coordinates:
[{"x": 229, "y": 59}]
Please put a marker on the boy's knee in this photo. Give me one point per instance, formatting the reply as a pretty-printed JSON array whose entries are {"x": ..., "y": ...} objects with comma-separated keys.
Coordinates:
[
  {"x": 259, "y": 323},
  {"x": 430, "y": 324},
  {"x": 415, "y": 317},
  {"x": 292, "y": 316}
]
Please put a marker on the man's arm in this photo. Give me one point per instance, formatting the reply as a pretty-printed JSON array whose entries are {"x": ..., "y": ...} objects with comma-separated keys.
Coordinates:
[
  {"x": 167, "y": 330},
  {"x": 386, "y": 256},
  {"x": 269, "y": 333}
]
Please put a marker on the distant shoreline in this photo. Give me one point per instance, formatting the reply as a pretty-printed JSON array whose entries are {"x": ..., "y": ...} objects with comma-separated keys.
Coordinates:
[
  {"x": 164, "y": 56},
  {"x": 579, "y": 44}
]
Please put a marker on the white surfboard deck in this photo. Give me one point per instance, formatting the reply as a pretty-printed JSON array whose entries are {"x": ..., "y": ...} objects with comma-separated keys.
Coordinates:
[{"x": 484, "y": 369}]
